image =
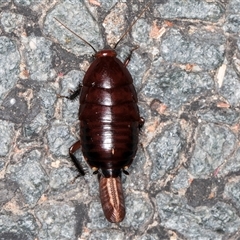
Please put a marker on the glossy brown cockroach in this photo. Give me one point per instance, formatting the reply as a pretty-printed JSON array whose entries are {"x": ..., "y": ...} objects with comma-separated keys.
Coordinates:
[{"x": 109, "y": 125}]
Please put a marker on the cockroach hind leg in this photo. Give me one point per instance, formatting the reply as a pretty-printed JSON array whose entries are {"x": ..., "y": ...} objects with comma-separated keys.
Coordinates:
[
  {"x": 127, "y": 60},
  {"x": 72, "y": 149},
  {"x": 95, "y": 170},
  {"x": 75, "y": 178},
  {"x": 125, "y": 170}
]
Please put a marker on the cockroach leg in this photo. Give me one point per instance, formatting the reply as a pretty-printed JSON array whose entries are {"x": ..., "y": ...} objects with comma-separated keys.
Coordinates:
[
  {"x": 72, "y": 149},
  {"x": 73, "y": 94},
  {"x": 95, "y": 170},
  {"x": 141, "y": 122},
  {"x": 73, "y": 181},
  {"x": 127, "y": 60},
  {"x": 125, "y": 170}
]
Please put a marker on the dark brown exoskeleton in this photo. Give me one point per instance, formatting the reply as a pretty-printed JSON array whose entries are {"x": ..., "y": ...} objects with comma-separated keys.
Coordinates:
[{"x": 109, "y": 125}]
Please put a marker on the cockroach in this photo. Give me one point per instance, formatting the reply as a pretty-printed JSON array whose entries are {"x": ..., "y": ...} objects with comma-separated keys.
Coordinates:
[{"x": 109, "y": 124}]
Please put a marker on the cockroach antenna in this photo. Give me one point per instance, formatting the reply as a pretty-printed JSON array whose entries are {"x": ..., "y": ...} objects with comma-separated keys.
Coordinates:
[
  {"x": 76, "y": 34},
  {"x": 132, "y": 24}
]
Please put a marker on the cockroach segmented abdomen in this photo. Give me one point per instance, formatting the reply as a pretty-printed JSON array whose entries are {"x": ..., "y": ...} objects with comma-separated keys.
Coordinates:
[{"x": 112, "y": 199}]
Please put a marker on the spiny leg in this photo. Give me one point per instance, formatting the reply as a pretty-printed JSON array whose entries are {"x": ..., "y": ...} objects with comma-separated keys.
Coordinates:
[
  {"x": 127, "y": 60},
  {"x": 73, "y": 94},
  {"x": 76, "y": 146}
]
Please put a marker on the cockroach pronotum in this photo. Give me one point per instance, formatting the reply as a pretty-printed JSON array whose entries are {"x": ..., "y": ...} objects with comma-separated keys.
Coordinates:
[{"x": 109, "y": 124}]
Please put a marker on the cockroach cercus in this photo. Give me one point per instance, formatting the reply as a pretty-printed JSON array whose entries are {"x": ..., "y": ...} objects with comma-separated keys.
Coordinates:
[{"x": 109, "y": 124}]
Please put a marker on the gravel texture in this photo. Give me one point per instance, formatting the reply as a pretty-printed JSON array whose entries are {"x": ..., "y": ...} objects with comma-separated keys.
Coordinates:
[{"x": 184, "y": 182}]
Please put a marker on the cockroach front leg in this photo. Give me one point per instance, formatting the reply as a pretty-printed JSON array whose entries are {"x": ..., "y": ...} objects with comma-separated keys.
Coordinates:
[
  {"x": 127, "y": 60},
  {"x": 73, "y": 94},
  {"x": 76, "y": 146}
]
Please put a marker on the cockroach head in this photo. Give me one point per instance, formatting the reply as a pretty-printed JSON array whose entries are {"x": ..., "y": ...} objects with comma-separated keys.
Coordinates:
[{"x": 106, "y": 53}]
